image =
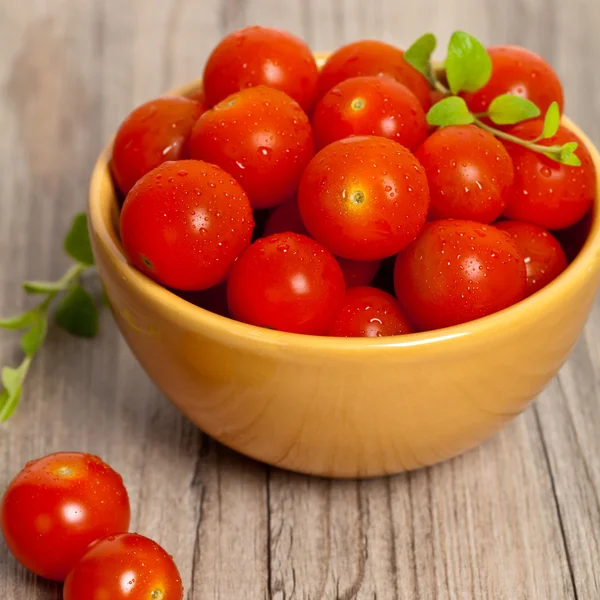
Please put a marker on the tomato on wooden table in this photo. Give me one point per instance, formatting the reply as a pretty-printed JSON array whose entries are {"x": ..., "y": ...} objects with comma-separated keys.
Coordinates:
[
  {"x": 372, "y": 57},
  {"x": 370, "y": 106},
  {"x": 369, "y": 312},
  {"x": 185, "y": 223},
  {"x": 545, "y": 192},
  {"x": 259, "y": 55},
  {"x": 468, "y": 171},
  {"x": 262, "y": 138},
  {"x": 155, "y": 132},
  {"x": 286, "y": 282},
  {"x": 124, "y": 567},
  {"x": 543, "y": 255},
  {"x": 57, "y": 506},
  {"x": 457, "y": 271},
  {"x": 364, "y": 198},
  {"x": 520, "y": 72}
]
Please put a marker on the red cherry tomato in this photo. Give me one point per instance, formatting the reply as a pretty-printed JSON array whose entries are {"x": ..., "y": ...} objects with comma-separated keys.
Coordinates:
[
  {"x": 545, "y": 192},
  {"x": 262, "y": 56},
  {"x": 371, "y": 57},
  {"x": 457, "y": 271},
  {"x": 184, "y": 224},
  {"x": 124, "y": 567},
  {"x": 544, "y": 258},
  {"x": 358, "y": 272},
  {"x": 520, "y": 72},
  {"x": 468, "y": 171},
  {"x": 369, "y": 312},
  {"x": 58, "y": 505},
  {"x": 370, "y": 106},
  {"x": 261, "y": 137},
  {"x": 286, "y": 282},
  {"x": 152, "y": 134},
  {"x": 364, "y": 198}
]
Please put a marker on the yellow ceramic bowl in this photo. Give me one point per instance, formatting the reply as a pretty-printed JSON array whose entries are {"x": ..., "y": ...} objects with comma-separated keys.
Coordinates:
[{"x": 343, "y": 407}]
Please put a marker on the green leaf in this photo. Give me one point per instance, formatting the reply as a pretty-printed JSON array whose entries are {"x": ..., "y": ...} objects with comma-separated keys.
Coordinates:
[
  {"x": 450, "y": 111},
  {"x": 468, "y": 65},
  {"x": 77, "y": 241},
  {"x": 568, "y": 156},
  {"x": 77, "y": 313},
  {"x": 32, "y": 340},
  {"x": 12, "y": 379},
  {"x": 419, "y": 54},
  {"x": 508, "y": 110},
  {"x": 8, "y": 403},
  {"x": 21, "y": 321},
  {"x": 44, "y": 287},
  {"x": 551, "y": 121}
]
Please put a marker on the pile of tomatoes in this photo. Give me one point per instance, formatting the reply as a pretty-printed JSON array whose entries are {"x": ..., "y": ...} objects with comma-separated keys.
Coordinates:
[
  {"x": 66, "y": 517},
  {"x": 321, "y": 201}
]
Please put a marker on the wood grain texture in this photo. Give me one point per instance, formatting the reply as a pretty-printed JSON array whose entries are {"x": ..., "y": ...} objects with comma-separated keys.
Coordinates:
[{"x": 517, "y": 518}]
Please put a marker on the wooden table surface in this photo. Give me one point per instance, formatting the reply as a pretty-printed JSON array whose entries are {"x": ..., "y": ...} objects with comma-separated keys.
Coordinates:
[{"x": 519, "y": 517}]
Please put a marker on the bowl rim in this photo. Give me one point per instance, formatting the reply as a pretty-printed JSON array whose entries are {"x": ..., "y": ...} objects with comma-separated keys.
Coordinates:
[{"x": 102, "y": 203}]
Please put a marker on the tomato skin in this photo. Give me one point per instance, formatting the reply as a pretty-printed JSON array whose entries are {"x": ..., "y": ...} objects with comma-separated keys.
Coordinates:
[
  {"x": 364, "y": 198},
  {"x": 520, "y": 72},
  {"x": 199, "y": 96},
  {"x": 545, "y": 192},
  {"x": 370, "y": 106},
  {"x": 262, "y": 138},
  {"x": 152, "y": 134},
  {"x": 543, "y": 255},
  {"x": 58, "y": 505},
  {"x": 286, "y": 282},
  {"x": 192, "y": 253},
  {"x": 124, "y": 567},
  {"x": 369, "y": 312},
  {"x": 457, "y": 271},
  {"x": 468, "y": 171},
  {"x": 372, "y": 57},
  {"x": 259, "y": 55},
  {"x": 358, "y": 272}
]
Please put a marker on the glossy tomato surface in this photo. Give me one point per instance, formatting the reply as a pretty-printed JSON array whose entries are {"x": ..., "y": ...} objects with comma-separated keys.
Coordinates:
[
  {"x": 468, "y": 171},
  {"x": 364, "y": 198},
  {"x": 372, "y": 57},
  {"x": 262, "y": 138},
  {"x": 545, "y": 192},
  {"x": 124, "y": 567},
  {"x": 457, "y": 271},
  {"x": 543, "y": 255},
  {"x": 259, "y": 55},
  {"x": 519, "y": 72},
  {"x": 184, "y": 224},
  {"x": 58, "y": 505},
  {"x": 370, "y": 106},
  {"x": 155, "y": 132},
  {"x": 286, "y": 282},
  {"x": 369, "y": 312}
]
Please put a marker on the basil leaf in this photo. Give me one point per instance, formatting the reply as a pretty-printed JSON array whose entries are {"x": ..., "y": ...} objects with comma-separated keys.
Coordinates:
[
  {"x": 419, "y": 54},
  {"x": 450, "y": 111},
  {"x": 551, "y": 121},
  {"x": 77, "y": 241},
  {"x": 77, "y": 313},
  {"x": 468, "y": 65},
  {"x": 508, "y": 110}
]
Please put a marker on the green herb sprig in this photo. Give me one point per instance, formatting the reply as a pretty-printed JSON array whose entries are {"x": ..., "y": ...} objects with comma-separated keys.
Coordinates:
[
  {"x": 75, "y": 312},
  {"x": 468, "y": 68}
]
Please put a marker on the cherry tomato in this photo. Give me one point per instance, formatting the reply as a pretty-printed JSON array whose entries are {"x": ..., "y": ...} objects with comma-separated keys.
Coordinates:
[
  {"x": 364, "y": 198},
  {"x": 520, "y": 72},
  {"x": 262, "y": 56},
  {"x": 152, "y": 134},
  {"x": 544, "y": 191},
  {"x": 184, "y": 224},
  {"x": 58, "y": 505},
  {"x": 468, "y": 171},
  {"x": 261, "y": 137},
  {"x": 457, "y": 271},
  {"x": 369, "y": 312},
  {"x": 124, "y": 567},
  {"x": 370, "y": 106},
  {"x": 371, "y": 57},
  {"x": 286, "y": 282},
  {"x": 544, "y": 258},
  {"x": 358, "y": 272}
]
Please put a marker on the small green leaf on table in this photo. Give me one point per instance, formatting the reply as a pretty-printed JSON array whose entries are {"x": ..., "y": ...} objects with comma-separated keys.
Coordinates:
[
  {"x": 20, "y": 321},
  {"x": 77, "y": 241},
  {"x": 77, "y": 314},
  {"x": 32, "y": 339}
]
